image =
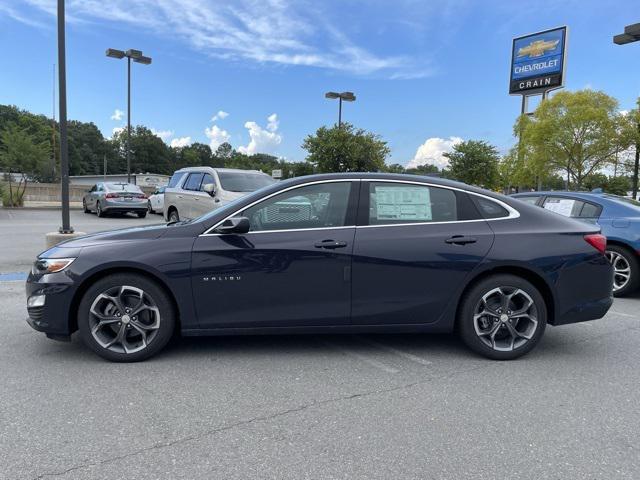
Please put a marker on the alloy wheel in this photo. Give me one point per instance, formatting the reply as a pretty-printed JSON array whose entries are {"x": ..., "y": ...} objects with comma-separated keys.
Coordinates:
[
  {"x": 505, "y": 318},
  {"x": 621, "y": 269},
  {"x": 124, "y": 319}
]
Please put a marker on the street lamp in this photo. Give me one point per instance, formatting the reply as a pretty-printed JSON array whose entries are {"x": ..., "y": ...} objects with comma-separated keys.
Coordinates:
[
  {"x": 631, "y": 34},
  {"x": 346, "y": 96},
  {"x": 136, "y": 56}
]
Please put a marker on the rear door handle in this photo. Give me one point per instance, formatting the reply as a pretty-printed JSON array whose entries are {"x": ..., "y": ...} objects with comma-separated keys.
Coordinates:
[
  {"x": 330, "y": 244},
  {"x": 460, "y": 240}
]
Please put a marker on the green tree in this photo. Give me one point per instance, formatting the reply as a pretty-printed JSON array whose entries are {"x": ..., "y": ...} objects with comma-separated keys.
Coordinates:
[
  {"x": 474, "y": 162},
  {"x": 574, "y": 132},
  {"x": 426, "y": 169},
  {"x": 21, "y": 153},
  {"x": 345, "y": 149}
]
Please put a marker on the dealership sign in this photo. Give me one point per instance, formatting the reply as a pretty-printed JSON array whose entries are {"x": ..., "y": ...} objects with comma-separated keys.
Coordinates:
[{"x": 537, "y": 62}]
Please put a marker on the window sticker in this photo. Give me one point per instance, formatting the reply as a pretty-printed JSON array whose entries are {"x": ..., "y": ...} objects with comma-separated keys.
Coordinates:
[
  {"x": 403, "y": 203},
  {"x": 563, "y": 206}
]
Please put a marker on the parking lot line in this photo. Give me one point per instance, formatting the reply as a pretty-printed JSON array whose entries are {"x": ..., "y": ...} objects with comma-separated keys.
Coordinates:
[
  {"x": 406, "y": 355},
  {"x": 362, "y": 357},
  {"x": 623, "y": 314}
]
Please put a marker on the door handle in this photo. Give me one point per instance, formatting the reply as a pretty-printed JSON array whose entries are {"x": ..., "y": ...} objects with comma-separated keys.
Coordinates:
[
  {"x": 460, "y": 240},
  {"x": 330, "y": 244}
]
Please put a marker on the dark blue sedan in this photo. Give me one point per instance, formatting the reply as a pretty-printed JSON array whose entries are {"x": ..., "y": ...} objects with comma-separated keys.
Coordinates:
[
  {"x": 619, "y": 218},
  {"x": 329, "y": 253}
]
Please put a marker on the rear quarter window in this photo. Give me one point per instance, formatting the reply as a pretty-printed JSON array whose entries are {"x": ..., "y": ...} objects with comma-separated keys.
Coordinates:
[{"x": 490, "y": 209}]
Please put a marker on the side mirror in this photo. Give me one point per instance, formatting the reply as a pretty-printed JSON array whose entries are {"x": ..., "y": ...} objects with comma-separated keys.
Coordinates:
[
  {"x": 234, "y": 225},
  {"x": 210, "y": 188}
]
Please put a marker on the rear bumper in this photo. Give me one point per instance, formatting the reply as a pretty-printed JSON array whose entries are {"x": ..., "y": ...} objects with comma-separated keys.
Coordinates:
[
  {"x": 125, "y": 206},
  {"x": 585, "y": 312}
]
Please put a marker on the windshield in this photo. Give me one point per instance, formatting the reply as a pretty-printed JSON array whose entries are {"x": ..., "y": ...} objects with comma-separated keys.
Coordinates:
[
  {"x": 628, "y": 201},
  {"x": 123, "y": 187},
  {"x": 243, "y": 182}
]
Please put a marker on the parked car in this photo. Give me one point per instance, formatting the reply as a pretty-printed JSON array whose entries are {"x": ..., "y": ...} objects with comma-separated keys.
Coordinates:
[
  {"x": 330, "y": 253},
  {"x": 155, "y": 204},
  {"x": 195, "y": 191},
  {"x": 619, "y": 218},
  {"x": 108, "y": 197}
]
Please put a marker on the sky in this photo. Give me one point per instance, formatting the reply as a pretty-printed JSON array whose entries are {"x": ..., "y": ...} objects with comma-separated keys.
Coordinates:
[{"x": 426, "y": 74}]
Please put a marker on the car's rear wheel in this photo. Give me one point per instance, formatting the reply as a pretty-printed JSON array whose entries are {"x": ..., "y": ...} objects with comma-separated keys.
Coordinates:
[
  {"x": 625, "y": 270},
  {"x": 85, "y": 209},
  {"x": 126, "y": 318},
  {"x": 502, "y": 317},
  {"x": 173, "y": 216},
  {"x": 99, "y": 210}
]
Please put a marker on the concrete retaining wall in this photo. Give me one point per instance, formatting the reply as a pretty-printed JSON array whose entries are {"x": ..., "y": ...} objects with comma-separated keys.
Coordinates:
[{"x": 50, "y": 192}]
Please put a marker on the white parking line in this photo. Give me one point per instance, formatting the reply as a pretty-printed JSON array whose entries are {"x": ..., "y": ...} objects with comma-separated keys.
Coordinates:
[
  {"x": 400, "y": 353},
  {"x": 362, "y": 357},
  {"x": 624, "y": 314}
]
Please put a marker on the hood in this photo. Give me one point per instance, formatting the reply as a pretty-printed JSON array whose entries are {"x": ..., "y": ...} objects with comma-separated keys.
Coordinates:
[{"x": 126, "y": 234}]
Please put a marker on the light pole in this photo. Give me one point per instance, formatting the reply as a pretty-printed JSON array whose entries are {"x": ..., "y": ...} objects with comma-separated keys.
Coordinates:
[
  {"x": 346, "y": 96},
  {"x": 136, "y": 56},
  {"x": 64, "y": 152},
  {"x": 631, "y": 34}
]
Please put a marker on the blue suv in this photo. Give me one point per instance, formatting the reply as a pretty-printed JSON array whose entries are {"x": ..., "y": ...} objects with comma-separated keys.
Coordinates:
[{"x": 619, "y": 218}]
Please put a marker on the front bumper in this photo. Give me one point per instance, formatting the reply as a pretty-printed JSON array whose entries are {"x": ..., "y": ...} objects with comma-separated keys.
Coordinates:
[{"x": 52, "y": 317}]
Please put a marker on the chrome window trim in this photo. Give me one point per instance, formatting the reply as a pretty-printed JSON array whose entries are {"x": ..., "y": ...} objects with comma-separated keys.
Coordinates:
[{"x": 513, "y": 213}]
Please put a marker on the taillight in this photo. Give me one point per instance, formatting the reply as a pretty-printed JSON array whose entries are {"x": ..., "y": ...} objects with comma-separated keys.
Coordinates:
[
  {"x": 140, "y": 195},
  {"x": 110, "y": 195},
  {"x": 597, "y": 241}
]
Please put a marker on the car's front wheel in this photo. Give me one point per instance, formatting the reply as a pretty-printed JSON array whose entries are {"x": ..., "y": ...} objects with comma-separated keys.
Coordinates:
[
  {"x": 126, "y": 318},
  {"x": 149, "y": 207},
  {"x": 625, "y": 270},
  {"x": 85, "y": 209},
  {"x": 502, "y": 317}
]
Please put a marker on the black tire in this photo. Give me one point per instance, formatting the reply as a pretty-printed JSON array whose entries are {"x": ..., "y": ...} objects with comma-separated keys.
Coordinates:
[
  {"x": 99, "y": 210},
  {"x": 149, "y": 207},
  {"x": 155, "y": 293},
  {"x": 85, "y": 209},
  {"x": 496, "y": 347},
  {"x": 173, "y": 216},
  {"x": 142, "y": 214},
  {"x": 634, "y": 274}
]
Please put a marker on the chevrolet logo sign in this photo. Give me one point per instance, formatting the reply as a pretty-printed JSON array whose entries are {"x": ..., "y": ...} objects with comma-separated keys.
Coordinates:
[{"x": 537, "y": 48}]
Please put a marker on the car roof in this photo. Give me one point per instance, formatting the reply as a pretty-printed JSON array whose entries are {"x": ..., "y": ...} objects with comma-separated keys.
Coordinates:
[
  {"x": 205, "y": 168},
  {"x": 584, "y": 195}
]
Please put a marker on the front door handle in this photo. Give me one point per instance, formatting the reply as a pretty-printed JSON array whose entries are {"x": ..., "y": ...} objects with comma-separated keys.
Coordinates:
[
  {"x": 460, "y": 240},
  {"x": 330, "y": 244}
]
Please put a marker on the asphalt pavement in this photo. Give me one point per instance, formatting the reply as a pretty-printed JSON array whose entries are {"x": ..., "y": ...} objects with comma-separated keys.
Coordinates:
[{"x": 316, "y": 406}]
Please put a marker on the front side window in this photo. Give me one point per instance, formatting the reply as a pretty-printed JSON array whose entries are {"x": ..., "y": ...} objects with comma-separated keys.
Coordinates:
[
  {"x": 398, "y": 203},
  {"x": 208, "y": 178},
  {"x": 322, "y": 205},
  {"x": 193, "y": 182}
]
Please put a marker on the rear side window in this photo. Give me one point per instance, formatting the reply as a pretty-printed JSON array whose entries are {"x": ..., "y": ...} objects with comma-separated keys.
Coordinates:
[
  {"x": 175, "y": 179},
  {"x": 491, "y": 209},
  {"x": 193, "y": 182},
  {"x": 398, "y": 203},
  {"x": 570, "y": 207}
]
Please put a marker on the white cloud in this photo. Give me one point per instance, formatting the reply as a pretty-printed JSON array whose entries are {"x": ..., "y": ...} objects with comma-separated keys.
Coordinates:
[
  {"x": 221, "y": 115},
  {"x": 286, "y": 32},
  {"x": 216, "y": 136},
  {"x": 432, "y": 150},
  {"x": 263, "y": 140},
  {"x": 181, "y": 142},
  {"x": 117, "y": 115},
  {"x": 163, "y": 134},
  {"x": 116, "y": 131}
]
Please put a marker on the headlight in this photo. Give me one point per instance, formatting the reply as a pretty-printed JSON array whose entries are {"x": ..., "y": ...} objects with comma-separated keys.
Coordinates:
[{"x": 50, "y": 265}]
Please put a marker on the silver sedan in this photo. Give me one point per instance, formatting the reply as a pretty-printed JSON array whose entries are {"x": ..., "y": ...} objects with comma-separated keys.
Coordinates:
[{"x": 108, "y": 197}]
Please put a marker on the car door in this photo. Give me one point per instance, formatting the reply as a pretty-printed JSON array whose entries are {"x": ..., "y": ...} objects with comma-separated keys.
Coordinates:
[
  {"x": 293, "y": 268},
  {"x": 202, "y": 202},
  {"x": 190, "y": 189},
  {"x": 415, "y": 244}
]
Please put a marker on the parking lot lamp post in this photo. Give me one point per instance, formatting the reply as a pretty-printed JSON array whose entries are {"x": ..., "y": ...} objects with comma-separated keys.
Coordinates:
[
  {"x": 631, "y": 34},
  {"x": 64, "y": 152},
  {"x": 136, "y": 56},
  {"x": 346, "y": 96}
]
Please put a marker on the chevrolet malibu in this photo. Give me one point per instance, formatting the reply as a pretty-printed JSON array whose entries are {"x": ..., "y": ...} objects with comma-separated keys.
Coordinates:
[{"x": 329, "y": 253}]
